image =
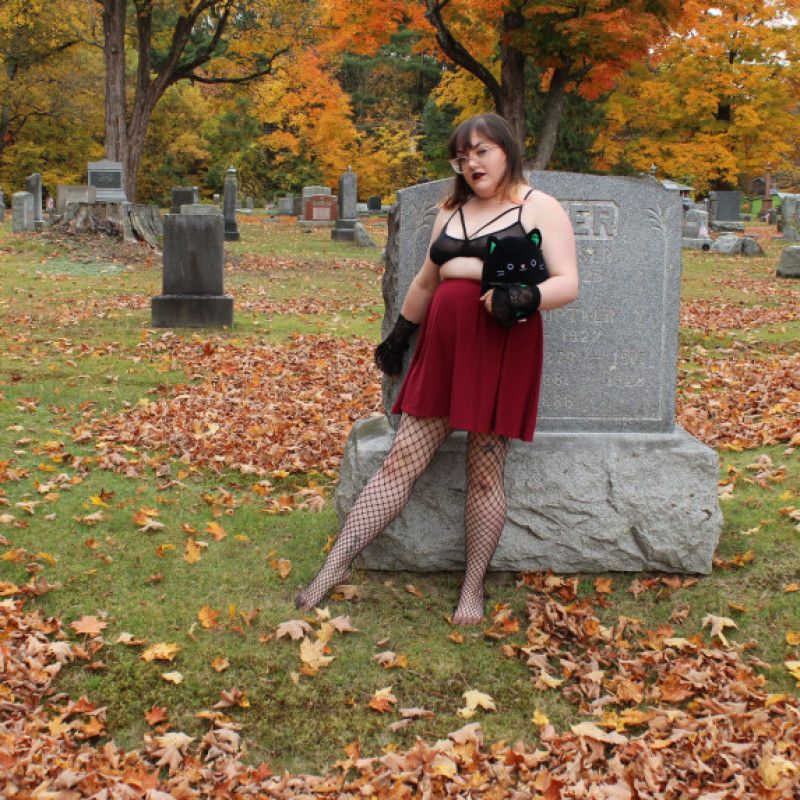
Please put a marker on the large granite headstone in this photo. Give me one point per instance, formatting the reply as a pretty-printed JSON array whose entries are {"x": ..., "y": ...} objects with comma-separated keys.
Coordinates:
[
  {"x": 229, "y": 206},
  {"x": 33, "y": 184},
  {"x": 183, "y": 195},
  {"x": 609, "y": 483},
  {"x": 348, "y": 208},
  {"x": 23, "y": 217},
  {"x": 194, "y": 255},
  {"x": 106, "y": 177}
]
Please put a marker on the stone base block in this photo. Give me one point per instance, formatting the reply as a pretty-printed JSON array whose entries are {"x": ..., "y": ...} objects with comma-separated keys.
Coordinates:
[
  {"x": 697, "y": 243},
  {"x": 577, "y": 502},
  {"x": 316, "y": 223},
  {"x": 192, "y": 311},
  {"x": 232, "y": 236},
  {"x": 343, "y": 234}
]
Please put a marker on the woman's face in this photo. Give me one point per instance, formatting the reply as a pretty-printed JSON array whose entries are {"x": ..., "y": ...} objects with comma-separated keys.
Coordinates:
[{"x": 483, "y": 165}]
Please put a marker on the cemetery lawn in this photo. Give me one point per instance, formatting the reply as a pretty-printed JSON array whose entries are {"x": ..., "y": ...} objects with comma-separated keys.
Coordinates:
[{"x": 203, "y": 547}]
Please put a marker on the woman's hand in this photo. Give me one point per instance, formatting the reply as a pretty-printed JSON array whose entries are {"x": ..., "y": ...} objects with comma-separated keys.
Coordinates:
[{"x": 486, "y": 299}]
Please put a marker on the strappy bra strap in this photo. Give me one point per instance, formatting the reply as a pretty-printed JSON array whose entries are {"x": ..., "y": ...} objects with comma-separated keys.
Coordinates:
[
  {"x": 463, "y": 223},
  {"x": 486, "y": 225}
]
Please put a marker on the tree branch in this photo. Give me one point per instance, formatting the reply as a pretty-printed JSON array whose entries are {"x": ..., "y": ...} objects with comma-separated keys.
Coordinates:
[
  {"x": 457, "y": 52},
  {"x": 242, "y": 78}
]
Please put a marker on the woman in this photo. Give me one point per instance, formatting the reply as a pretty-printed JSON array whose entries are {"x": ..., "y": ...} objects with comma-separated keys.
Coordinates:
[{"x": 473, "y": 368}]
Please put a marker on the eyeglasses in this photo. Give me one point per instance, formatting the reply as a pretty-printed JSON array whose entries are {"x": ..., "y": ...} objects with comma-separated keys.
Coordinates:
[{"x": 480, "y": 152}]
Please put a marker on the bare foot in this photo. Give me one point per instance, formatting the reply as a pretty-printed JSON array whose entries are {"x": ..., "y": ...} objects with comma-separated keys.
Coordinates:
[
  {"x": 469, "y": 611},
  {"x": 315, "y": 592}
]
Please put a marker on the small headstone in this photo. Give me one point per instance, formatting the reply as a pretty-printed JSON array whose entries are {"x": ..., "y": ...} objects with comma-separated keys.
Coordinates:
[
  {"x": 374, "y": 203},
  {"x": 2, "y": 207},
  {"x": 194, "y": 256},
  {"x": 33, "y": 184},
  {"x": 249, "y": 203},
  {"x": 183, "y": 195},
  {"x": 362, "y": 209},
  {"x": 106, "y": 177},
  {"x": 789, "y": 263},
  {"x": 200, "y": 209},
  {"x": 229, "y": 206},
  {"x": 319, "y": 209},
  {"x": 791, "y": 234},
  {"x": 297, "y": 205},
  {"x": 789, "y": 213},
  {"x": 285, "y": 205},
  {"x": 362, "y": 237},
  {"x": 348, "y": 208},
  {"x": 216, "y": 197},
  {"x": 22, "y": 212}
]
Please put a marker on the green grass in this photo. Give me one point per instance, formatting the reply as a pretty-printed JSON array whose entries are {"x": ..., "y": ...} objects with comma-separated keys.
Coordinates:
[{"x": 63, "y": 356}]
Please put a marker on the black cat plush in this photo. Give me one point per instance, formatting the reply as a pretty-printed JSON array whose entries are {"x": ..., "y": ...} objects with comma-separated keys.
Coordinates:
[
  {"x": 513, "y": 267},
  {"x": 514, "y": 260}
]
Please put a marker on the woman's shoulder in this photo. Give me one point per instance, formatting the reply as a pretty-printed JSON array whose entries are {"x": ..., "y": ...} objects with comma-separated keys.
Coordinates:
[{"x": 540, "y": 208}]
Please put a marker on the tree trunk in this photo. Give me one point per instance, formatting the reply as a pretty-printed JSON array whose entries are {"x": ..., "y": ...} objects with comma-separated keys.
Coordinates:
[
  {"x": 511, "y": 103},
  {"x": 137, "y": 133},
  {"x": 5, "y": 115},
  {"x": 553, "y": 109},
  {"x": 114, "y": 14}
]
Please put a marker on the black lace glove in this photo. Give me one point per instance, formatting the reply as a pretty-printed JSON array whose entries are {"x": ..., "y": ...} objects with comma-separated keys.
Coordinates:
[
  {"x": 513, "y": 303},
  {"x": 389, "y": 353}
]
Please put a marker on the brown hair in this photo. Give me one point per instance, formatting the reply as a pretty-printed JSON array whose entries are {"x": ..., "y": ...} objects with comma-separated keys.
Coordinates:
[{"x": 497, "y": 130}]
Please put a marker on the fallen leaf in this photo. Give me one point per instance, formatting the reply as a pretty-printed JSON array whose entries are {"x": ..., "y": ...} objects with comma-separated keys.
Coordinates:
[
  {"x": 172, "y": 677},
  {"x": 163, "y": 651},
  {"x": 88, "y": 626},
  {"x": 382, "y": 700}
]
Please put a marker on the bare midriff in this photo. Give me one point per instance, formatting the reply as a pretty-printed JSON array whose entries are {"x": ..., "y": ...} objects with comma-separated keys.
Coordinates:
[{"x": 461, "y": 267}]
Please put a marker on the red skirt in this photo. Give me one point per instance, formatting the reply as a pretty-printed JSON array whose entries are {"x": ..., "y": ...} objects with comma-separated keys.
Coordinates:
[{"x": 467, "y": 368}]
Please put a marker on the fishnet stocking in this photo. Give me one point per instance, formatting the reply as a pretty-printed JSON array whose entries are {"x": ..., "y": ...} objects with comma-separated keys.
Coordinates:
[
  {"x": 484, "y": 517},
  {"x": 380, "y": 502}
]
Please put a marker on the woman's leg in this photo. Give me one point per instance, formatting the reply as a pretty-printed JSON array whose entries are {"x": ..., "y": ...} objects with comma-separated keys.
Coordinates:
[
  {"x": 380, "y": 502},
  {"x": 484, "y": 518}
]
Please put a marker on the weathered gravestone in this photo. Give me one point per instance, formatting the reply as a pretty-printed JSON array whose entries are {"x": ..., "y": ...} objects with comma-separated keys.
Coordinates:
[
  {"x": 2, "y": 207},
  {"x": 285, "y": 205},
  {"x": 33, "y": 184},
  {"x": 229, "y": 206},
  {"x": 374, "y": 203},
  {"x": 74, "y": 194},
  {"x": 724, "y": 212},
  {"x": 348, "y": 208},
  {"x": 789, "y": 213},
  {"x": 609, "y": 483},
  {"x": 183, "y": 195},
  {"x": 194, "y": 255},
  {"x": 23, "y": 217},
  {"x": 789, "y": 263},
  {"x": 106, "y": 177}
]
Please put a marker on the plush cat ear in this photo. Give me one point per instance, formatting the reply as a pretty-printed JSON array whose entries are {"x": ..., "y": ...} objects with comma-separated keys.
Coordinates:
[
  {"x": 535, "y": 236},
  {"x": 491, "y": 244}
]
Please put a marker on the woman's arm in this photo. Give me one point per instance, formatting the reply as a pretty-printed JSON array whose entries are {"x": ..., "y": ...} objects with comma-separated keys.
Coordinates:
[
  {"x": 418, "y": 297},
  {"x": 558, "y": 249}
]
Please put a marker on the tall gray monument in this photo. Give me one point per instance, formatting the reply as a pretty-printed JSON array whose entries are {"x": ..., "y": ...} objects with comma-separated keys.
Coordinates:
[
  {"x": 194, "y": 255},
  {"x": 33, "y": 184},
  {"x": 609, "y": 482},
  {"x": 344, "y": 231},
  {"x": 229, "y": 206}
]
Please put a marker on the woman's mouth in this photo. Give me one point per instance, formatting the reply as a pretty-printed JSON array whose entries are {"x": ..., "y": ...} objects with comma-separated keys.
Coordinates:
[{"x": 477, "y": 175}]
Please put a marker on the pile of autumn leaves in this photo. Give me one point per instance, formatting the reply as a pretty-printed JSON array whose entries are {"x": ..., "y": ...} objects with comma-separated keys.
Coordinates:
[{"x": 667, "y": 717}]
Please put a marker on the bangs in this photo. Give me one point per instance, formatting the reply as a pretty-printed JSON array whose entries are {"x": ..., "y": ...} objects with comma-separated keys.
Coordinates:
[{"x": 462, "y": 136}]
